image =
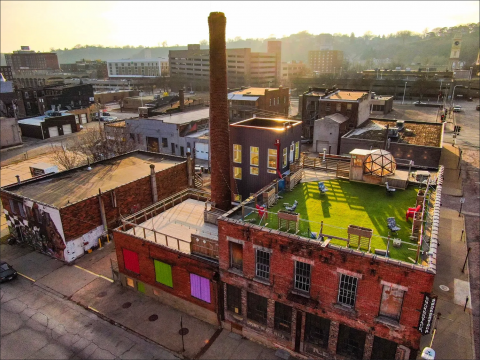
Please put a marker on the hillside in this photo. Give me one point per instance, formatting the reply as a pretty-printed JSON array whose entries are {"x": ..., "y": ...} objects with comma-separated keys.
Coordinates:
[{"x": 402, "y": 48}]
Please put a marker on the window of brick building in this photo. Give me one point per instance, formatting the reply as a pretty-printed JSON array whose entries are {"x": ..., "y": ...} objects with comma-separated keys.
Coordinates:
[
  {"x": 262, "y": 264},
  {"x": 163, "y": 273},
  {"x": 392, "y": 300},
  {"x": 383, "y": 349},
  {"x": 302, "y": 276},
  {"x": 234, "y": 299},
  {"x": 254, "y": 155},
  {"x": 237, "y": 173},
  {"x": 272, "y": 158},
  {"x": 257, "y": 308},
  {"x": 164, "y": 142},
  {"x": 283, "y": 318},
  {"x": 236, "y": 256},
  {"x": 237, "y": 153},
  {"x": 130, "y": 259},
  {"x": 253, "y": 170},
  {"x": 317, "y": 330},
  {"x": 347, "y": 290},
  {"x": 351, "y": 342}
]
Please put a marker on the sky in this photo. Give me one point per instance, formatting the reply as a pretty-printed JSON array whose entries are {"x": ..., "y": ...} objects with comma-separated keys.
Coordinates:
[{"x": 43, "y": 25}]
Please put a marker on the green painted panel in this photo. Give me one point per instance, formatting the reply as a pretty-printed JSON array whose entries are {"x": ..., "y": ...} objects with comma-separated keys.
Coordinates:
[
  {"x": 141, "y": 287},
  {"x": 163, "y": 273}
]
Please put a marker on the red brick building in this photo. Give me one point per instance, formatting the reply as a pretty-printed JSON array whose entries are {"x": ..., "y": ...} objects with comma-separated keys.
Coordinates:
[
  {"x": 167, "y": 251},
  {"x": 31, "y": 60},
  {"x": 66, "y": 216},
  {"x": 318, "y": 299},
  {"x": 262, "y": 102}
]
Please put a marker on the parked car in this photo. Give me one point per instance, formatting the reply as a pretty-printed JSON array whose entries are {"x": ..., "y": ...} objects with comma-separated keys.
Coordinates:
[
  {"x": 7, "y": 272},
  {"x": 108, "y": 118},
  {"x": 457, "y": 108},
  {"x": 419, "y": 103},
  {"x": 478, "y": 107}
]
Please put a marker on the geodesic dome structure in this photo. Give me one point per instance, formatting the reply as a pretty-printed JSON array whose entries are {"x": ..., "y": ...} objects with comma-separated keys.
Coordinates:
[{"x": 379, "y": 163}]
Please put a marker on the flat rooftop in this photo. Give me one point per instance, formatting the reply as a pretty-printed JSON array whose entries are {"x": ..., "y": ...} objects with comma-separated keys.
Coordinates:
[
  {"x": 413, "y": 133},
  {"x": 183, "y": 117},
  {"x": 266, "y": 123},
  {"x": 67, "y": 187},
  {"x": 346, "y": 95},
  {"x": 347, "y": 203},
  {"x": 179, "y": 222},
  {"x": 253, "y": 91}
]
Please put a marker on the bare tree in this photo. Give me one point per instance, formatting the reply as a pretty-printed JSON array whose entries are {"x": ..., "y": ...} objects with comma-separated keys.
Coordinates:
[{"x": 66, "y": 158}]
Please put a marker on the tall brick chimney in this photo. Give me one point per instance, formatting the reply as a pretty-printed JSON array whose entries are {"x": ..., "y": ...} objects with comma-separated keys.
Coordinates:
[
  {"x": 219, "y": 130},
  {"x": 181, "y": 96}
]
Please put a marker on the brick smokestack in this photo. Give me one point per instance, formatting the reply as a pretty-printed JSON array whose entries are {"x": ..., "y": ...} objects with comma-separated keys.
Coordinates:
[
  {"x": 181, "y": 95},
  {"x": 219, "y": 131}
]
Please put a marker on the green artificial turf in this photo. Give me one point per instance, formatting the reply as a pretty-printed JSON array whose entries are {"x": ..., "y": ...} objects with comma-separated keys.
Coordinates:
[{"x": 350, "y": 203}]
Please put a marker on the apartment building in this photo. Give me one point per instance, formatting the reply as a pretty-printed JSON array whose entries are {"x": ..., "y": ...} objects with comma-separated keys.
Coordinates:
[
  {"x": 27, "y": 59},
  {"x": 291, "y": 70},
  {"x": 325, "y": 61},
  {"x": 264, "y": 102},
  {"x": 191, "y": 68},
  {"x": 132, "y": 68},
  {"x": 316, "y": 103}
]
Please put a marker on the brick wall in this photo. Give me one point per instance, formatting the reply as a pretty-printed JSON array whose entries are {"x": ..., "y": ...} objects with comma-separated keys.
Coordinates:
[
  {"x": 182, "y": 265},
  {"x": 83, "y": 216},
  {"x": 281, "y": 106},
  {"x": 326, "y": 263}
]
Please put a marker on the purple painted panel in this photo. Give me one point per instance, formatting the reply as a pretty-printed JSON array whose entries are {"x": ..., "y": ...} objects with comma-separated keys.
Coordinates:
[
  {"x": 205, "y": 287},
  {"x": 200, "y": 287},
  {"x": 195, "y": 286}
]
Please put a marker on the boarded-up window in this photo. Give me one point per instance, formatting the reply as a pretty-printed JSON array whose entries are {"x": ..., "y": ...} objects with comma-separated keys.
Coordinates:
[
  {"x": 236, "y": 256},
  {"x": 392, "y": 299},
  {"x": 163, "y": 273},
  {"x": 131, "y": 261},
  {"x": 234, "y": 299},
  {"x": 200, "y": 287}
]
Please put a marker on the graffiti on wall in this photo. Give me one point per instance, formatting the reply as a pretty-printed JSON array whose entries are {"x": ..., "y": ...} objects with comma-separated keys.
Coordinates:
[{"x": 38, "y": 226}]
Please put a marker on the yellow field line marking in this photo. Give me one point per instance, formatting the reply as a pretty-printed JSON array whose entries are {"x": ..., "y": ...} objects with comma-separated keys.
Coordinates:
[
  {"x": 91, "y": 308},
  {"x": 26, "y": 277},
  {"x": 91, "y": 272}
]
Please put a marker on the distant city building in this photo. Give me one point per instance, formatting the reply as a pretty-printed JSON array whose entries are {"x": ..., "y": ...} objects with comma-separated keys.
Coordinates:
[
  {"x": 10, "y": 133},
  {"x": 6, "y": 71},
  {"x": 325, "y": 61},
  {"x": 5, "y": 86},
  {"x": 153, "y": 67},
  {"x": 31, "y": 60},
  {"x": 325, "y": 42},
  {"x": 95, "y": 68},
  {"x": 191, "y": 68},
  {"x": 454, "y": 61},
  {"x": 292, "y": 70},
  {"x": 317, "y": 103},
  {"x": 39, "y": 100},
  {"x": 262, "y": 102},
  {"x": 169, "y": 134}
]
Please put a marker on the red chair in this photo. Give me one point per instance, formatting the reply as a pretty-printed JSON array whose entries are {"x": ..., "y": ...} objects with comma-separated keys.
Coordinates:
[
  {"x": 411, "y": 212},
  {"x": 261, "y": 210}
]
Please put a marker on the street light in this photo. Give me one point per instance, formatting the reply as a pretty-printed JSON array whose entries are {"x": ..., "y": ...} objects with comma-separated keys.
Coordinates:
[
  {"x": 441, "y": 82},
  {"x": 453, "y": 94},
  {"x": 404, "y": 89}
]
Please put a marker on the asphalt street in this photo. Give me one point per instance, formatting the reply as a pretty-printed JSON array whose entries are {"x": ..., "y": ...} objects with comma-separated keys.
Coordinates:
[{"x": 36, "y": 324}]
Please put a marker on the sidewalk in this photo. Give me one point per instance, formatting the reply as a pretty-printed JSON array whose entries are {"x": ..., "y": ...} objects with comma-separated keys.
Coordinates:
[
  {"x": 88, "y": 283},
  {"x": 452, "y": 182},
  {"x": 453, "y": 338}
]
